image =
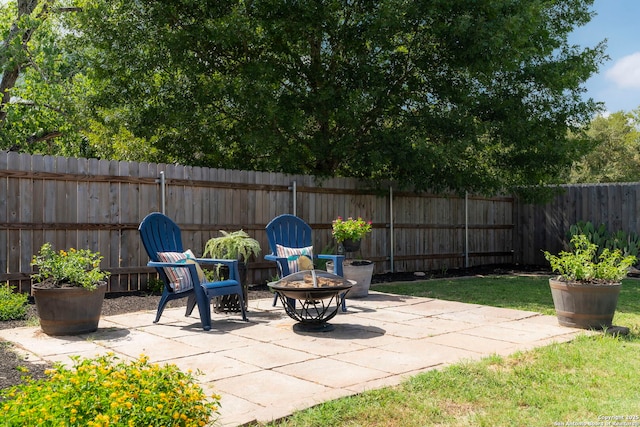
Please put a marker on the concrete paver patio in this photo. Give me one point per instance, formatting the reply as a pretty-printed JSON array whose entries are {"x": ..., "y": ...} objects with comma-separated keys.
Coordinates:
[{"x": 265, "y": 370}]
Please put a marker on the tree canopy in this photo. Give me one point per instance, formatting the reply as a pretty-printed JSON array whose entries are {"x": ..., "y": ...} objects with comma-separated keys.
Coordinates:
[
  {"x": 613, "y": 143},
  {"x": 433, "y": 94}
]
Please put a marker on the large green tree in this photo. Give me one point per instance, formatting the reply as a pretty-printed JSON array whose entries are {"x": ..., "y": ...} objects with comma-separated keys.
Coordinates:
[
  {"x": 614, "y": 155},
  {"x": 36, "y": 82},
  {"x": 43, "y": 87},
  {"x": 435, "y": 94}
]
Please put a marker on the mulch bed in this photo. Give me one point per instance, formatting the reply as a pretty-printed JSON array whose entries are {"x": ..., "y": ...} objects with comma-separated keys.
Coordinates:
[{"x": 10, "y": 362}]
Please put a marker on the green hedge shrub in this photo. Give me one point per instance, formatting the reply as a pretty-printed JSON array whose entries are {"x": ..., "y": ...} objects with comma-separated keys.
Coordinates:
[{"x": 13, "y": 305}]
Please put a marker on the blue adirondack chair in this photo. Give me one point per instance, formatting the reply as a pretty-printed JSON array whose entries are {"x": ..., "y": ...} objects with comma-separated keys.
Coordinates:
[
  {"x": 294, "y": 235},
  {"x": 161, "y": 236}
]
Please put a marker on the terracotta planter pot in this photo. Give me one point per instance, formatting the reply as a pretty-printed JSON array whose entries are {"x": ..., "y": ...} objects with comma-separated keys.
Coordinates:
[
  {"x": 68, "y": 311},
  {"x": 584, "y": 306}
]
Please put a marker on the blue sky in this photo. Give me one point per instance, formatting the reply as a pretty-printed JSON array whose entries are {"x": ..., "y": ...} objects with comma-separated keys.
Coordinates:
[{"x": 618, "y": 82}]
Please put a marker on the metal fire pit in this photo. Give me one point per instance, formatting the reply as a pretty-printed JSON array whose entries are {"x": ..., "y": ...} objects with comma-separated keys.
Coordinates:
[{"x": 312, "y": 297}]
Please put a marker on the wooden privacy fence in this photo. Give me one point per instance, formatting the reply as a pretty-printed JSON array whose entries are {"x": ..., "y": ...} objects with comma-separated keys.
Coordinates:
[
  {"x": 545, "y": 227},
  {"x": 98, "y": 204}
]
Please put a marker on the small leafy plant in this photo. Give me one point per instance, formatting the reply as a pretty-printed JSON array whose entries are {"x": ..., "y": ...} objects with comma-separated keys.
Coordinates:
[
  {"x": 583, "y": 264},
  {"x": 232, "y": 245},
  {"x": 627, "y": 242},
  {"x": 70, "y": 268},
  {"x": 350, "y": 229},
  {"x": 155, "y": 286},
  {"x": 13, "y": 305},
  {"x": 106, "y": 392}
]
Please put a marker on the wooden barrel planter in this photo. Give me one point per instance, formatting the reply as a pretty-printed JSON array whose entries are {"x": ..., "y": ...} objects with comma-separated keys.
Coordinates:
[
  {"x": 70, "y": 310},
  {"x": 584, "y": 306}
]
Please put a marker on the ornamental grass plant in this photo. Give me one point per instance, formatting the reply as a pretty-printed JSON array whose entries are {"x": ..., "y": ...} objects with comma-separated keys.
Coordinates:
[{"x": 107, "y": 392}]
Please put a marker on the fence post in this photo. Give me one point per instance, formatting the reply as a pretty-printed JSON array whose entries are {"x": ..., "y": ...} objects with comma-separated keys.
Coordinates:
[
  {"x": 294, "y": 190},
  {"x": 162, "y": 182},
  {"x": 466, "y": 229}
]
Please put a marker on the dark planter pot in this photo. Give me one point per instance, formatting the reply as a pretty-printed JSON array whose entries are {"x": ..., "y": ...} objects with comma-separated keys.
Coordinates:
[
  {"x": 351, "y": 245},
  {"x": 68, "y": 311},
  {"x": 231, "y": 303},
  {"x": 584, "y": 306}
]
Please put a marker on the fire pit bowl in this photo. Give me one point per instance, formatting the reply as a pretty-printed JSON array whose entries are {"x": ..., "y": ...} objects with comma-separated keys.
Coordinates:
[{"x": 312, "y": 297}]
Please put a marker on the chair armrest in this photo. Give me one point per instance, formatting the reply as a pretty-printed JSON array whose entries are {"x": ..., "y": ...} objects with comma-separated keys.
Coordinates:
[
  {"x": 334, "y": 258},
  {"x": 337, "y": 262},
  {"x": 272, "y": 257},
  {"x": 226, "y": 262},
  {"x": 282, "y": 263},
  {"x": 231, "y": 264},
  {"x": 190, "y": 266},
  {"x": 159, "y": 264}
]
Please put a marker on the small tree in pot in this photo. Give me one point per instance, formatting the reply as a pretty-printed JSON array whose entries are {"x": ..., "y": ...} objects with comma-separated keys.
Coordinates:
[
  {"x": 586, "y": 293},
  {"x": 68, "y": 289}
]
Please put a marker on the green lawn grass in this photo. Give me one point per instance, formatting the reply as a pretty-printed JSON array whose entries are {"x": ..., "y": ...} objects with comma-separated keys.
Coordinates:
[{"x": 576, "y": 383}]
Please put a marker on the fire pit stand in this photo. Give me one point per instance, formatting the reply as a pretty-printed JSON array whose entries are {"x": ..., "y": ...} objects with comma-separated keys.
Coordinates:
[{"x": 312, "y": 297}]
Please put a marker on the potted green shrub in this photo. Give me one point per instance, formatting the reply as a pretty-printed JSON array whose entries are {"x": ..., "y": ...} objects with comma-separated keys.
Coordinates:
[
  {"x": 349, "y": 233},
  {"x": 68, "y": 288},
  {"x": 232, "y": 245},
  {"x": 585, "y": 294},
  {"x": 13, "y": 305}
]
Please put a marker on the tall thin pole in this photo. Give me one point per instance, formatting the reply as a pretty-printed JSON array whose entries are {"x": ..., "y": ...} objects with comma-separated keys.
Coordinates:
[
  {"x": 162, "y": 191},
  {"x": 466, "y": 229},
  {"x": 294, "y": 190},
  {"x": 391, "y": 226}
]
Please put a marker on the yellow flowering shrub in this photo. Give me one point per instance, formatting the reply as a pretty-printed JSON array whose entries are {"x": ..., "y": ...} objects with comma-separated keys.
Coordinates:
[
  {"x": 75, "y": 267},
  {"x": 105, "y": 392}
]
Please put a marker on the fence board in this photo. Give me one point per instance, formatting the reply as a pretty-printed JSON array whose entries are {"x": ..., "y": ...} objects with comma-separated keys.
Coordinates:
[
  {"x": 4, "y": 219},
  {"x": 615, "y": 205}
]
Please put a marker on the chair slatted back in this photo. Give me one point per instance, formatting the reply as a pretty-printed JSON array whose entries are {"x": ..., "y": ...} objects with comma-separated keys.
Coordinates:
[
  {"x": 160, "y": 234},
  {"x": 288, "y": 230}
]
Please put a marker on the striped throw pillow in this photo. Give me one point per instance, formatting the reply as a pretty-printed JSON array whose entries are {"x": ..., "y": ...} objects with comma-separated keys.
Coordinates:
[
  {"x": 179, "y": 278},
  {"x": 292, "y": 255}
]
